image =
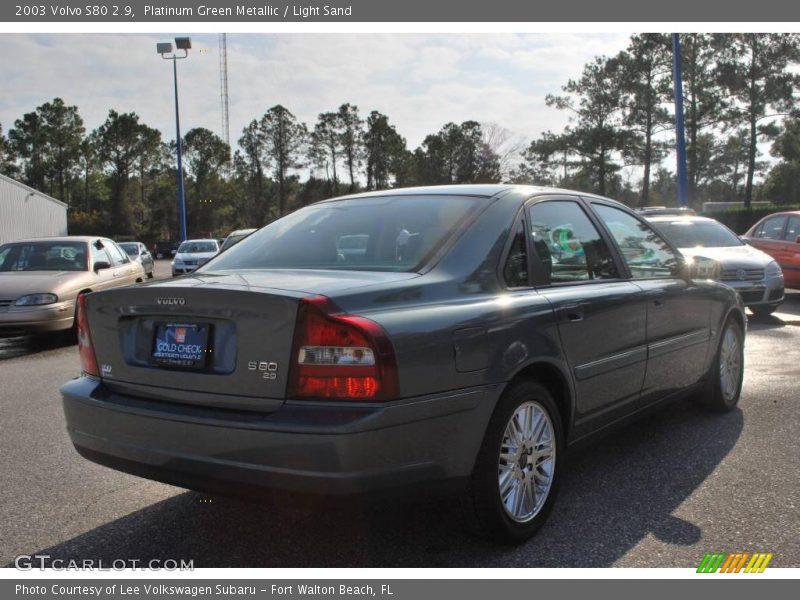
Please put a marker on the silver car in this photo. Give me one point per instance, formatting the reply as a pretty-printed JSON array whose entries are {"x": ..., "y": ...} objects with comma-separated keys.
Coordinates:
[
  {"x": 139, "y": 253},
  {"x": 192, "y": 254},
  {"x": 751, "y": 272}
]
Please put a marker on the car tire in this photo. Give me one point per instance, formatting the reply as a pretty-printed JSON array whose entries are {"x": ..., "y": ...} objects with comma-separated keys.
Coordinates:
[
  {"x": 727, "y": 372},
  {"x": 150, "y": 274},
  {"x": 503, "y": 473},
  {"x": 763, "y": 311}
]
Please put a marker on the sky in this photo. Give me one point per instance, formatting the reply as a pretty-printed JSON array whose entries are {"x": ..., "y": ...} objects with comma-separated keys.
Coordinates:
[{"x": 421, "y": 81}]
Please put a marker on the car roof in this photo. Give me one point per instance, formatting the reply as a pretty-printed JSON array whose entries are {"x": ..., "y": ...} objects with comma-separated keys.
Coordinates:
[
  {"x": 61, "y": 238},
  {"x": 780, "y": 213},
  {"x": 242, "y": 231},
  {"x": 200, "y": 240},
  {"x": 486, "y": 190}
]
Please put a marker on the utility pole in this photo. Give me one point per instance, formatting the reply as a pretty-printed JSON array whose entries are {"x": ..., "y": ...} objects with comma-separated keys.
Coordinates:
[
  {"x": 680, "y": 131},
  {"x": 165, "y": 50},
  {"x": 223, "y": 87}
]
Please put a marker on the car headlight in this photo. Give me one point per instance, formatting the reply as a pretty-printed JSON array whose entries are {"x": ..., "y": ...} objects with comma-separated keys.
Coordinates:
[
  {"x": 36, "y": 300},
  {"x": 774, "y": 269}
]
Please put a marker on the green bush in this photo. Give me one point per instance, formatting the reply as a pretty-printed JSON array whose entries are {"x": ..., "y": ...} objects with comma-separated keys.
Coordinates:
[{"x": 741, "y": 219}]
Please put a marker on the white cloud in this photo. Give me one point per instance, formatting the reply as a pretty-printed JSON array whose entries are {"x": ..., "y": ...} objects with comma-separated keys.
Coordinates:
[{"x": 420, "y": 81}]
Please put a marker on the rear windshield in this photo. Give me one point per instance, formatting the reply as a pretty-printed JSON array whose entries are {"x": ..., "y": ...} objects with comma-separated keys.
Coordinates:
[
  {"x": 389, "y": 233},
  {"x": 131, "y": 249},
  {"x": 694, "y": 234},
  {"x": 43, "y": 256},
  {"x": 197, "y": 247}
]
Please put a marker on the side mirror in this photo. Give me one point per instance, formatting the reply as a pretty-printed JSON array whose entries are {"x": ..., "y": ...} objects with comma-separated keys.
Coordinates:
[
  {"x": 701, "y": 267},
  {"x": 797, "y": 240},
  {"x": 746, "y": 240},
  {"x": 101, "y": 264}
]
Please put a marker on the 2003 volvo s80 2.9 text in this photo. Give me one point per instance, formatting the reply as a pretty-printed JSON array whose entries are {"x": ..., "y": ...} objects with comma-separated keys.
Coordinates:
[{"x": 459, "y": 337}]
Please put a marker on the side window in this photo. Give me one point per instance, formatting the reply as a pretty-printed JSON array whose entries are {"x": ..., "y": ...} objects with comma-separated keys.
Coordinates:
[
  {"x": 515, "y": 271},
  {"x": 117, "y": 255},
  {"x": 567, "y": 245},
  {"x": 772, "y": 228},
  {"x": 645, "y": 252},
  {"x": 792, "y": 229},
  {"x": 98, "y": 254}
]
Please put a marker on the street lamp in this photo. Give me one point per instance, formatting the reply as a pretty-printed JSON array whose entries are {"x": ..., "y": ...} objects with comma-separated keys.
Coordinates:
[{"x": 165, "y": 50}]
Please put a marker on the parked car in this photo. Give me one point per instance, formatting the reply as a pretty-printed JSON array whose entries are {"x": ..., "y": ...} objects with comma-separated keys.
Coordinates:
[
  {"x": 165, "y": 249},
  {"x": 40, "y": 279},
  {"x": 751, "y": 272},
  {"x": 192, "y": 254},
  {"x": 647, "y": 211},
  {"x": 515, "y": 323},
  {"x": 779, "y": 236},
  {"x": 235, "y": 237},
  {"x": 138, "y": 252}
]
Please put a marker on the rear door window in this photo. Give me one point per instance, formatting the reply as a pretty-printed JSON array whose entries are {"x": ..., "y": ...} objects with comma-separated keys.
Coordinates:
[
  {"x": 515, "y": 270},
  {"x": 792, "y": 229}
]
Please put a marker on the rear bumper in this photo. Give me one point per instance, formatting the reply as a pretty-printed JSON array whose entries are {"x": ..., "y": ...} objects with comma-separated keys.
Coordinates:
[{"x": 303, "y": 447}]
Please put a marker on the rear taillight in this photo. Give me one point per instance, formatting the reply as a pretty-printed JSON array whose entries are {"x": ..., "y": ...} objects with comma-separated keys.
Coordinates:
[
  {"x": 337, "y": 356},
  {"x": 85, "y": 346}
]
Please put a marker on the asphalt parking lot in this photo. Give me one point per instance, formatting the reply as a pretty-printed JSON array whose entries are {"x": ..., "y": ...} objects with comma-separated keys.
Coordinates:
[{"x": 659, "y": 493}]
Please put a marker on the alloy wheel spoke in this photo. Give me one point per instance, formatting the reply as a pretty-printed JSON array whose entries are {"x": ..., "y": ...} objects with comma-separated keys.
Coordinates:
[{"x": 525, "y": 477}]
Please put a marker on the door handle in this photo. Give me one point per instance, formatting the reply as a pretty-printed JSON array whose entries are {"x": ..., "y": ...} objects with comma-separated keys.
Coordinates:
[
  {"x": 572, "y": 313},
  {"x": 658, "y": 303}
]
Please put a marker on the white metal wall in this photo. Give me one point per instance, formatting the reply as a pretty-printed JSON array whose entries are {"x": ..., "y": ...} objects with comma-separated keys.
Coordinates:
[{"x": 26, "y": 213}]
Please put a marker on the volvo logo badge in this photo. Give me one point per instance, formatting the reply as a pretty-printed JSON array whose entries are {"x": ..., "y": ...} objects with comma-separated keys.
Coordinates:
[{"x": 171, "y": 301}]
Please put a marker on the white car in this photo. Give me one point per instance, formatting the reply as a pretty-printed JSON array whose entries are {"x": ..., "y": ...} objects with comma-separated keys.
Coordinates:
[{"x": 192, "y": 254}]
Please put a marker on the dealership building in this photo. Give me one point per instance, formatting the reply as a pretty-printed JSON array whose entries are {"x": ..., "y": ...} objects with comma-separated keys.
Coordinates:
[{"x": 27, "y": 213}]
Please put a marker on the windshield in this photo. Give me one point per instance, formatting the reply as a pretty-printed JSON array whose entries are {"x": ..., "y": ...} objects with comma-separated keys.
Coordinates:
[
  {"x": 197, "y": 247},
  {"x": 388, "y": 233},
  {"x": 232, "y": 240},
  {"x": 43, "y": 256},
  {"x": 131, "y": 249},
  {"x": 694, "y": 234}
]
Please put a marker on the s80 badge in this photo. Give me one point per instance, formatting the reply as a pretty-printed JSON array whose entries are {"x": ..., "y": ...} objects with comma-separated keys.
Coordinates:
[{"x": 268, "y": 370}]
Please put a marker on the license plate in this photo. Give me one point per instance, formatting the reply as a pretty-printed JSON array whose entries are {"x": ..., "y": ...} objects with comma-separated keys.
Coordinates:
[{"x": 183, "y": 345}]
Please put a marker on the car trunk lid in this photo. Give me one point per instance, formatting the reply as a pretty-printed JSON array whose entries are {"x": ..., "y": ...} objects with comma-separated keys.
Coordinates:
[{"x": 242, "y": 321}]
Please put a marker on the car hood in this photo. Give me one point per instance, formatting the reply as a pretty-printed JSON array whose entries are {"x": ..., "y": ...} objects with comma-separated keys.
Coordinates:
[
  {"x": 307, "y": 281},
  {"x": 744, "y": 257},
  {"x": 21, "y": 283}
]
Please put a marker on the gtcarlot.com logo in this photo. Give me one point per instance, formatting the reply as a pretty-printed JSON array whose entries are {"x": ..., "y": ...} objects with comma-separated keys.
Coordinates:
[
  {"x": 29, "y": 562},
  {"x": 734, "y": 562}
]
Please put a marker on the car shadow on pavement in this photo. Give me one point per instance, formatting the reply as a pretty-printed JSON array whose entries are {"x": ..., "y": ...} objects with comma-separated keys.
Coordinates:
[
  {"x": 787, "y": 313},
  {"x": 25, "y": 345},
  {"x": 614, "y": 493}
]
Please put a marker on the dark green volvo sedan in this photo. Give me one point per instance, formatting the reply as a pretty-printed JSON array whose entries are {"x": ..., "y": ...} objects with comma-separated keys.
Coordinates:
[{"x": 456, "y": 337}]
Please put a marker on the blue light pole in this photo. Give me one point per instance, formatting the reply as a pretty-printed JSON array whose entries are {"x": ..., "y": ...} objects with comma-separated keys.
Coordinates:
[
  {"x": 165, "y": 50},
  {"x": 680, "y": 133}
]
